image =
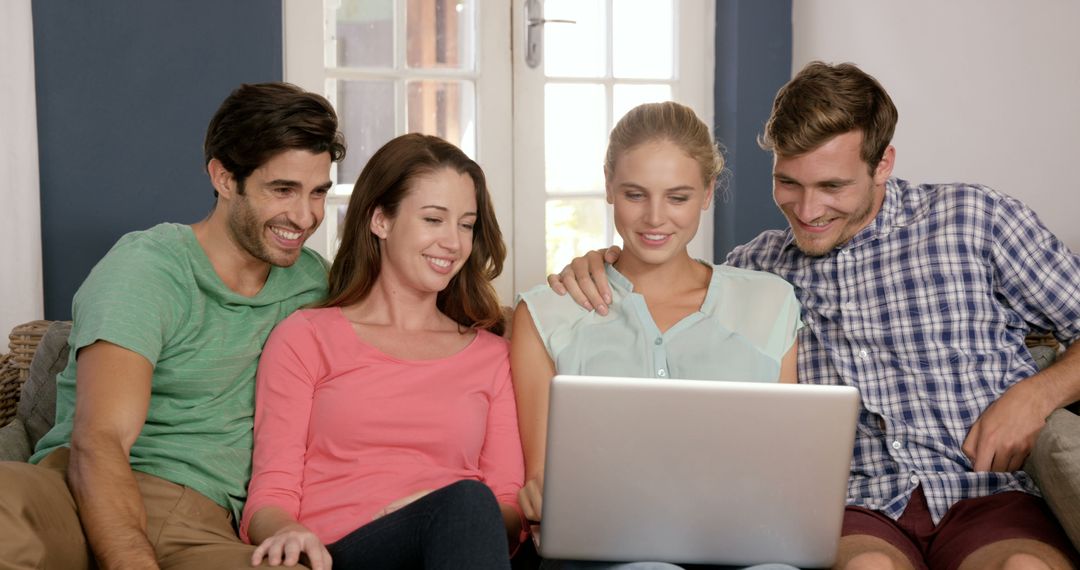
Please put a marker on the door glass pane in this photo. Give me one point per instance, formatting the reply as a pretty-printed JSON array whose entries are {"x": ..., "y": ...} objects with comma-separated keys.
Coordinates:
[
  {"x": 575, "y": 50},
  {"x": 642, "y": 38},
  {"x": 366, "y": 110},
  {"x": 338, "y": 211},
  {"x": 364, "y": 34},
  {"x": 626, "y": 97},
  {"x": 446, "y": 109},
  {"x": 440, "y": 34},
  {"x": 573, "y": 227},
  {"x": 575, "y": 136}
]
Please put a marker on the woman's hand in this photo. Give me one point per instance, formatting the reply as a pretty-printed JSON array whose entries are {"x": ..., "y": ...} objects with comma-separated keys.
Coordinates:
[
  {"x": 285, "y": 546},
  {"x": 531, "y": 499},
  {"x": 401, "y": 503}
]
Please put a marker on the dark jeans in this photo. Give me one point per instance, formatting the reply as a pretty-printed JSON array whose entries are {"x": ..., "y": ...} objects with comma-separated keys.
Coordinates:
[
  {"x": 590, "y": 565},
  {"x": 458, "y": 526}
]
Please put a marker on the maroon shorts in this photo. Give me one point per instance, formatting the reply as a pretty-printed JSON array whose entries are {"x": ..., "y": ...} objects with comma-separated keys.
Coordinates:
[{"x": 966, "y": 527}]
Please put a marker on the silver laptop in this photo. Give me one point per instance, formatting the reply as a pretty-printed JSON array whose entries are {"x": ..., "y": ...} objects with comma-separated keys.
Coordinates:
[{"x": 696, "y": 471}]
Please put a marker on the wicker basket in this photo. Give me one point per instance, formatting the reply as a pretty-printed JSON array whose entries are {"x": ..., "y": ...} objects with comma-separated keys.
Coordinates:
[
  {"x": 23, "y": 343},
  {"x": 15, "y": 366},
  {"x": 10, "y": 385},
  {"x": 1047, "y": 339}
]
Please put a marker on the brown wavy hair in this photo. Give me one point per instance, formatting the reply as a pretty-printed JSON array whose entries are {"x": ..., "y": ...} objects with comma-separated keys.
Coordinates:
[
  {"x": 470, "y": 298},
  {"x": 823, "y": 101}
]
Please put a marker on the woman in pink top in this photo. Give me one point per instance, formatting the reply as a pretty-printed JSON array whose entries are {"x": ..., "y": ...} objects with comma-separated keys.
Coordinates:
[{"x": 385, "y": 427}]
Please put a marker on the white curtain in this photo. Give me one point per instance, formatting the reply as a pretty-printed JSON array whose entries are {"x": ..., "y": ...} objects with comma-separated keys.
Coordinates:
[{"x": 20, "y": 206}]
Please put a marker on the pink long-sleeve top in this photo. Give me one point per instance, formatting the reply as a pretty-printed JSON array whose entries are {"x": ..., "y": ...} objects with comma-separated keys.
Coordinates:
[{"x": 343, "y": 429}]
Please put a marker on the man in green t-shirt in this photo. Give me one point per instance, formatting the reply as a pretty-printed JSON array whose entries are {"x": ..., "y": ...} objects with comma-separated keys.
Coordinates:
[{"x": 148, "y": 462}]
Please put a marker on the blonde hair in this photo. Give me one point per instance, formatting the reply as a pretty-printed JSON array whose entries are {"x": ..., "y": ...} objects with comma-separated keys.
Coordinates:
[
  {"x": 668, "y": 121},
  {"x": 823, "y": 101}
]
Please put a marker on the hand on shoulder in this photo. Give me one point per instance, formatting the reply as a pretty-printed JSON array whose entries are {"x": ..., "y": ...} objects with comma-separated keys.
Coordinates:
[{"x": 585, "y": 279}]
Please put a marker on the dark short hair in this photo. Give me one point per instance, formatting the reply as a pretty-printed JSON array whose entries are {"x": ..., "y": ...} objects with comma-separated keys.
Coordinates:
[
  {"x": 470, "y": 297},
  {"x": 823, "y": 101},
  {"x": 260, "y": 120}
]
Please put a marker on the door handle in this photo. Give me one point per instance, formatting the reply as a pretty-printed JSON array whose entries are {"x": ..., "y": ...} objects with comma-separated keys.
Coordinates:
[{"x": 534, "y": 31}]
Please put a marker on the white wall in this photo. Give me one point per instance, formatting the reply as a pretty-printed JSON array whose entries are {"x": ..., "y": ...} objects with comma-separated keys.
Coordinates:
[
  {"x": 988, "y": 90},
  {"x": 20, "y": 254}
]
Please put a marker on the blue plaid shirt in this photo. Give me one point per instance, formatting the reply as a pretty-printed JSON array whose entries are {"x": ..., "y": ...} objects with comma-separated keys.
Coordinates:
[{"x": 925, "y": 312}]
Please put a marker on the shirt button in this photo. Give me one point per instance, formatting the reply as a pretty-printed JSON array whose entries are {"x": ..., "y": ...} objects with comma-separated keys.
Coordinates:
[
  {"x": 863, "y": 353},
  {"x": 659, "y": 340},
  {"x": 896, "y": 445},
  {"x": 661, "y": 373},
  {"x": 914, "y": 480}
]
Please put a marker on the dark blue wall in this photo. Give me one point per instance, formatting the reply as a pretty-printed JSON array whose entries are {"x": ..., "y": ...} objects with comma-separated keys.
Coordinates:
[
  {"x": 753, "y": 60},
  {"x": 125, "y": 89}
]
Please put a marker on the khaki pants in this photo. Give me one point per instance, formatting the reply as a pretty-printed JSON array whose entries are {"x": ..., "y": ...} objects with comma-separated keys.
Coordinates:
[{"x": 39, "y": 523}]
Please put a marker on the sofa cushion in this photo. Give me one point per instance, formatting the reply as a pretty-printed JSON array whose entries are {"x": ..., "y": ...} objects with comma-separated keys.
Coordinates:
[
  {"x": 1043, "y": 355},
  {"x": 14, "y": 444},
  {"x": 37, "y": 404},
  {"x": 1055, "y": 465}
]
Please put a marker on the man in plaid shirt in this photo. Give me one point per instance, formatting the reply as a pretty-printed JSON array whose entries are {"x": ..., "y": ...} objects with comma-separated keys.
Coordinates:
[{"x": 920, "y": 296}]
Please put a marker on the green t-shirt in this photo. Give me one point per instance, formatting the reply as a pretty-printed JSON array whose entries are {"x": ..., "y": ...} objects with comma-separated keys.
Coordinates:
[{"x": 155, "y": 293}]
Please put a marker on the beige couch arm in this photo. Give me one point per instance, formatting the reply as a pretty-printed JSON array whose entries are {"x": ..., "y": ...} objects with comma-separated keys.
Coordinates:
[{"x": 1054, "y": 463}]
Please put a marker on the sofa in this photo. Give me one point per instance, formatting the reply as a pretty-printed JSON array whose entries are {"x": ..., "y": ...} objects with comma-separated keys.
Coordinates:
[{"x": 1054, "y": 463}]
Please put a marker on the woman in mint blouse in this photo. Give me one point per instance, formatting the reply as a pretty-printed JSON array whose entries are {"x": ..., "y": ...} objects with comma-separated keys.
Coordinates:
[{"x": 671, "y": 316}]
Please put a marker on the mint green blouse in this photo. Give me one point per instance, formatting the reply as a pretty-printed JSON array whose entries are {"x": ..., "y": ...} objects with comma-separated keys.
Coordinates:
[{"x": 746, "y": 324}]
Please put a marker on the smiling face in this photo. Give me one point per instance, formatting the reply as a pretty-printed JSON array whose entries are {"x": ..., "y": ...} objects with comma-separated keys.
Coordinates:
[
  {"x": 431, "y": 237},
  {"x": 829, "y": 194},
  {"x": 658, "y": 195},
  {"x": 280, "y": 207}
]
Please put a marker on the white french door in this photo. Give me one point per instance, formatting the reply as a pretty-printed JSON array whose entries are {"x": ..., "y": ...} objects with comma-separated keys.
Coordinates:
[
  {"x": 458, "y": 69},
  {"x": 615, "y": 55}
]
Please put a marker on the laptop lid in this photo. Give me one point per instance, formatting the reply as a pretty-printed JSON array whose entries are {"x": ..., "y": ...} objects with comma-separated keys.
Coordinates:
[{"x": 696, "y": 471}]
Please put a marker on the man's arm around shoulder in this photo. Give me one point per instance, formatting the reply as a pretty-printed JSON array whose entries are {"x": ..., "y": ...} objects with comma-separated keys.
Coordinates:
[
  {"x": 760, "y": 253},
  {"x": 112, "y": 395}
]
